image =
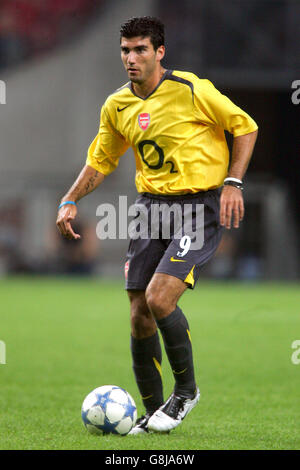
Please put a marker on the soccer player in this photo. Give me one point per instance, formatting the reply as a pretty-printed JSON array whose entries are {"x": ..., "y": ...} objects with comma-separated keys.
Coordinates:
[{"x": 175, "y": 124}]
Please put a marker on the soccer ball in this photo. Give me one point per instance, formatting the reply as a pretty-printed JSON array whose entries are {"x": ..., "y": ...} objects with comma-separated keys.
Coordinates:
[{"x": 109, "y": 409}]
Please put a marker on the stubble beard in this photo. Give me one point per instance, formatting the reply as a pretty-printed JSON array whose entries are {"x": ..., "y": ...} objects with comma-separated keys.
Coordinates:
[{"x": 136, "y": 80}]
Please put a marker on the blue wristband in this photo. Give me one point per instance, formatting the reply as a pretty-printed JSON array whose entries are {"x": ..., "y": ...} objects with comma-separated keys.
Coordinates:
[{"x": 67, "y": 202}]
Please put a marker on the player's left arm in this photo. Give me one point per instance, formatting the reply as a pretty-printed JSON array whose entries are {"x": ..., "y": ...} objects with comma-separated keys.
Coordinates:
[
  {"x": 214, "y": 108},
  {"x": 232, "y": 201}
]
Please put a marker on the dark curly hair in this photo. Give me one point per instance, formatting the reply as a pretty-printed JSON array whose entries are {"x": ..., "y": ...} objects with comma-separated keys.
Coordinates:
[{"x": 145, "y": 26}]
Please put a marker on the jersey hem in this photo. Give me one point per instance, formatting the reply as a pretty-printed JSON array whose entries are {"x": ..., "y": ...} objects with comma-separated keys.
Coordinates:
[{"x": 97, "y": 169}]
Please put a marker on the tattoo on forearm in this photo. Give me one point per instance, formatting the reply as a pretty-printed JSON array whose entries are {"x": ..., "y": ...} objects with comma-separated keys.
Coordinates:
[
  {"x": 80, "y": 188},
  {"x": 91, "y": 182}
]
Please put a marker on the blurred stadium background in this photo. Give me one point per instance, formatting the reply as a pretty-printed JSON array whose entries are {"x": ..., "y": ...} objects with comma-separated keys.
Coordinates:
[{"x": 59, "y": 59}]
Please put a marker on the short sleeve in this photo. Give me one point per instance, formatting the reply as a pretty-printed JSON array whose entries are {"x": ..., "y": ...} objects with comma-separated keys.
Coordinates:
[
  {"x": 107, "y": 147},
  {"x": 215, "y": 109}
]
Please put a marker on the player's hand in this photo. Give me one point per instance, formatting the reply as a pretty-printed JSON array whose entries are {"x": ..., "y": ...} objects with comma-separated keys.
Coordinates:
[
  {"x": 231, "y": 206},
  {"x": 65, "y": 215}
]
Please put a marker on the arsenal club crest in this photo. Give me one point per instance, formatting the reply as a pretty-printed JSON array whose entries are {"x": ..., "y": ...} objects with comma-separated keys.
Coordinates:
[{"x": 144, "y": 120}]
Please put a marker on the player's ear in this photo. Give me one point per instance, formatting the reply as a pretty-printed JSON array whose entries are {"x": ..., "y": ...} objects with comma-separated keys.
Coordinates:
[{"x": 160, "y": 53}]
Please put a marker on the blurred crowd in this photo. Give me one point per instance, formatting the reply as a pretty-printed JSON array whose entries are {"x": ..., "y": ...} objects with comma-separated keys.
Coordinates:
[
  {"x": 31, "y": 27},
  {"x": 58, "y": 256},
  {"x": 11, "y": 228},
  {"x": 234, "y": 259}
]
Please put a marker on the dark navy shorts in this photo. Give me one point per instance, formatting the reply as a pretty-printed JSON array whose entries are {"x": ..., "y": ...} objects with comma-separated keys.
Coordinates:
[{"x": 178, "y": 235}]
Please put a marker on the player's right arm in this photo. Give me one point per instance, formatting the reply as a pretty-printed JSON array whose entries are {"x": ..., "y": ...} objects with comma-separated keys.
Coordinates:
[
  {"x": 102, "y": 159},
  {"x": 88, "y": 180}
]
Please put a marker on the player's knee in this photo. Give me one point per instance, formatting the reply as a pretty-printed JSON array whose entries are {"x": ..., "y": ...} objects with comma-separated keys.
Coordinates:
[
  {"x": 158, "y": 302},
  {"x": 142, "y": 324},
  {"x": 142, "y": 321},
  {"x": 137, "y": 300}
]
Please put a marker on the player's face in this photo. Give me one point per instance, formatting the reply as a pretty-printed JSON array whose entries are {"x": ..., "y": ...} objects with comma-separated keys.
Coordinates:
[{"x": 139, "y": 58}]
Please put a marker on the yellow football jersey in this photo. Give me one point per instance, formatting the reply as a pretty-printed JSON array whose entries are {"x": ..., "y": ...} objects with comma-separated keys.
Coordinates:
[{"x": 177, "y": 134}]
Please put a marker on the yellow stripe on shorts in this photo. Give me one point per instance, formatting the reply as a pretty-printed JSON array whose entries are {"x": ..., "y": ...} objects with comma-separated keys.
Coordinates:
[{"x": 190, "y": 277}]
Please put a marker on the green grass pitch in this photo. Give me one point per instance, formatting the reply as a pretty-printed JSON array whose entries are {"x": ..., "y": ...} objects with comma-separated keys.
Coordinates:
[{"x": 66, "y": 337}]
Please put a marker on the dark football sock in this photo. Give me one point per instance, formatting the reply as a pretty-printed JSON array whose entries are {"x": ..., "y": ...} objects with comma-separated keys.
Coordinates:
[
  {"x": 176, "y": 335},
  {"x": 146, "y": 355}
]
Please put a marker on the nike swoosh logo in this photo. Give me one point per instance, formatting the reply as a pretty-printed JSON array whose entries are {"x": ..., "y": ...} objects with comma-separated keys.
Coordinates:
[
  {"x": 121, "y": 109},
  {"x": 179, "y": 260},
  {"x": 181, "y": 372},
  {"x": 146, "y": 398}
]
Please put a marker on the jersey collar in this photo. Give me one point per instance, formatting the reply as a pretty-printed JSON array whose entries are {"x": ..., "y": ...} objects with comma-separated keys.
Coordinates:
[{"x": 167, "y": 72}]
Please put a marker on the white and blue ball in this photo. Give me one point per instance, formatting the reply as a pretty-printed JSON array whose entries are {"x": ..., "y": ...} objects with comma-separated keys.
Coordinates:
[{"x": 109, "y": 409}]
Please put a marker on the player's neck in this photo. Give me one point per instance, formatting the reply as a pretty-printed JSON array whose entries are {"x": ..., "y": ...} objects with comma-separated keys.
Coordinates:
[{"x": 145, "y": 89}]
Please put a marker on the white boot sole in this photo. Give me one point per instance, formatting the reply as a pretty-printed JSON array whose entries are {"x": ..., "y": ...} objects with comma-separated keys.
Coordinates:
[{"x": 161, "y": 422}]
